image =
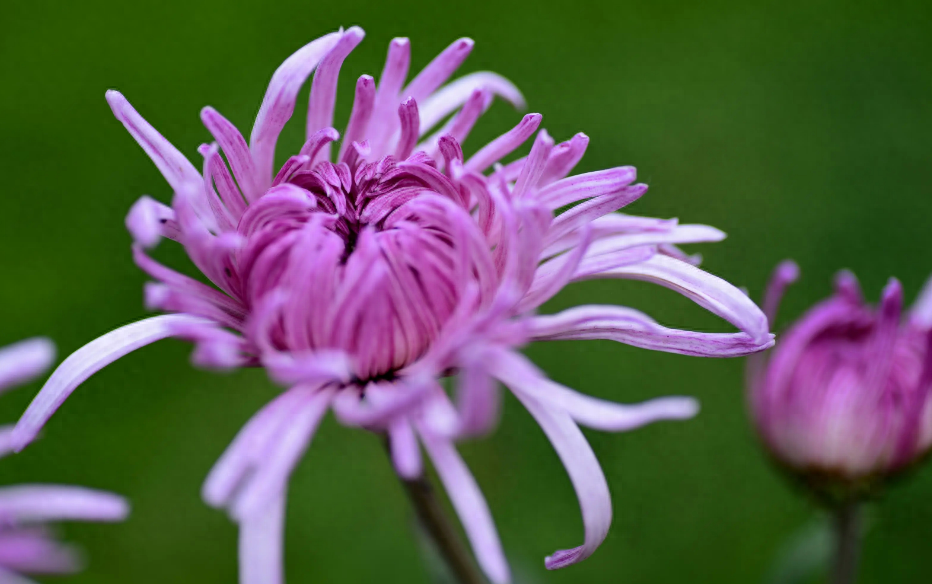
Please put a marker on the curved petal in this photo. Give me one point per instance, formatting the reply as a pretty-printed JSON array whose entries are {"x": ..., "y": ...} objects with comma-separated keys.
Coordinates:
[
  {"x": 279, "y": 101},
  {"x": 261, "y": 545},
  {"x": 34, "y": 551},
  {"x": 248, "y": 449},
  {"x": 525, "y": 379},
  {"x": 25, "y": 360},
  {"x": 456, "y": 93},
  {"x": 88, "y": 360},
  {"x": 624, "y": 325},
  {"x": 708, "y": 291},
  {"x": 470, "y": 505},
  {"x": 40, "y": 503},
  {"x": 173, "y": 165},
  {"x": 406, "y": 454},
  {"x": 585, "y": 473},
  {"x": 270, "y": 479}
]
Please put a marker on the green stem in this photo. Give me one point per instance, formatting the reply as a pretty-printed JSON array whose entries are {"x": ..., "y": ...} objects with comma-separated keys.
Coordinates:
[{"x": 847, "y": 522}]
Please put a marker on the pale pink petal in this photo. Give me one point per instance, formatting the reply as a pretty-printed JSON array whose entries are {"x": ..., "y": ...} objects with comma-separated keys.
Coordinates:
[
  {"x": 406, "y": 453},
  {"x": 470, "y": 505},
  {"x": 710, "y": 292},
  {"x": 524, "y": 378},
  {"x": 261, "y": 545},
  {"x": 41, "y": 503},
  {"x": 456, "y": 93},
  {"x": 363, "y": 105},
  {"x": 324, "y": 87},
  {"x": 88, "y": 360},
  {"x": 24, "y": 361},
  {"x": 585, "y": 473},
  {"x": 504, "y": 144},
  {"x": 171, "y": 163},
  {"x": 279, "y": 101}
]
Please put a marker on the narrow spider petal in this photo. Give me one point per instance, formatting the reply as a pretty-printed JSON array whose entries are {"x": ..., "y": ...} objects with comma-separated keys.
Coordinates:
[
  {"x": 439, "y": 70},
  {"x": 237, "y": 152},
  {"x": 270, "y": 480},
  {"x": 408, "y": 115},
  {"x": 504, "y": 144},
  {"x": 478, "y": 397},
  {"x": 586, "y": 186},
  {"x": 406, "y": 453},
  {"x": 35, "y": 552},
  {"x": 171, "y": 163},
  {"x": 38, "y": 503},
  {"x": 248, "y": 449},
  {"x": 461, "y": 124},
  {"x": 470, "y": 505},
  {"x": 534, "y": 166},
  {"x": 624, "y": 325},
  {"x": 358, "y": 123},
  {"x": 921, "y": 311},
  {"x": 261, "y": 545},
  {"x": 320, "y": 366},
  {"x": 525, "y": 379},
  {"x": 586, "y": 475},
  {"x": 783, "y": 275},
  {"x": 585, "y": 213},
  {"x": 148, "y": 221},
  {"x": 279, "y": 101},
  {"x": 551, "y": 277},
  {"x": 710, "y": 292},
  {"x": 457, "y": 93},
  {"x": 6, "y": 440},
  {"x": 88, "y": 360},
  {"x": 22, "y": 361},
  {"x": 564, "y": 157},
  {"x": 384, "y": 113},
  {"x": 324, "y": 87}
]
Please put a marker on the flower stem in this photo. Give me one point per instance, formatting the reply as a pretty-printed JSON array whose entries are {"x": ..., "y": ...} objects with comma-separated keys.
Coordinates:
[
  {"x": 434, "y": 519},
  {"x": 847, "y": 522}
]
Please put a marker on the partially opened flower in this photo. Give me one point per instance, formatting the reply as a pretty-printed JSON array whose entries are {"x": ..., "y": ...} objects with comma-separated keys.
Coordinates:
[
  {"x": 27, "y": 546},
  {"x": 362, "y": 271},
  {"x": 845, "y": 400}
]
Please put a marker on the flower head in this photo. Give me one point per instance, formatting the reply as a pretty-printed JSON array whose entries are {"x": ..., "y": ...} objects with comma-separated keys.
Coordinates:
[
  {"x": 26, "y": 545},
  {"x": 846, "y": 397},
  {"x": 358, "y": 275}
]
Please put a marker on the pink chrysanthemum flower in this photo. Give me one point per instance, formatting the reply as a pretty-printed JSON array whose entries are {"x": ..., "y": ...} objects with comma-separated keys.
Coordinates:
[
  {"x": 357, "y": 276},
  {"x": 26, "y": 544},
  {"x": 845, "y": 400}
]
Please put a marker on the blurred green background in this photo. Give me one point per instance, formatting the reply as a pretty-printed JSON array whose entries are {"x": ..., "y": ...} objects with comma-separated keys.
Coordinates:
[{"x": 801, "y": 128}]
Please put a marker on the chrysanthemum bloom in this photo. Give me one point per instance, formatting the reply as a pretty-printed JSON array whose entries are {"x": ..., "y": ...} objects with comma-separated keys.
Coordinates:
[
  {"x": 26, "y": 544},
  {"x": 846, "y": 398},
  {"x": 359, "y": 275}
]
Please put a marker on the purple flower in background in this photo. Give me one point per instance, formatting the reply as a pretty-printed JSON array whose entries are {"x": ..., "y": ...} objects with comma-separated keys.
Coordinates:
[
  {"x": 26, "y": 545},
  {"x": 361, "y": 272},
  {"x": 844, "y": 399}
]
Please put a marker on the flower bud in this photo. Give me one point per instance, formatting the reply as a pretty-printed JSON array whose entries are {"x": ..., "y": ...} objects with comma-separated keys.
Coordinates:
[{"x": 843, "y": 400}]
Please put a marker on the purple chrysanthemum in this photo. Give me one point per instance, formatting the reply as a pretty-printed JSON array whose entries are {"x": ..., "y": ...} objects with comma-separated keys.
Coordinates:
[
  {"x": 360, "y": 275},
  {"x": 26, "y": 545},
  {"x": 846, "y": 398}
]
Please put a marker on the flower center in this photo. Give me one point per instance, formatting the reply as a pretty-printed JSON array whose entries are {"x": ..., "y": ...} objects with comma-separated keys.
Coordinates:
[{"x": 365, "y": 264}]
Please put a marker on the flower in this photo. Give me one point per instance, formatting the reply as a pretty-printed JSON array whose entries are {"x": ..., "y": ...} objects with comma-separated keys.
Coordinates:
[
  {"x": 844, "y": 400},
  {"x": 358, "y": 276},
  {"x": 26, "y": 546}
]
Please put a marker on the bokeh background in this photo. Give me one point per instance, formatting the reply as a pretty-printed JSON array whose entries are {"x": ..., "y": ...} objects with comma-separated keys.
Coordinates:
[{"x": 802, "y": 128}]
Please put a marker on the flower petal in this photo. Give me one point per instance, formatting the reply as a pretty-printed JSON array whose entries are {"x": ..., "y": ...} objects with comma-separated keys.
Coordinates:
[
  {"x": 470, "y": 505},
  {"x": 279, "y": 101},
  {"x": 261, "y": 545},
  {"x": 710, "y": 292},
  {"x": 25, "y": 360},
  {"x": 525, "y": 379},
  {"x": 624, "y": 325},
  {"x": 457, "y": 93},
  {"x": 585, "y": 473},
  {"x": 40, "y": 503},
  {"x": 88, "y": 360}
]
